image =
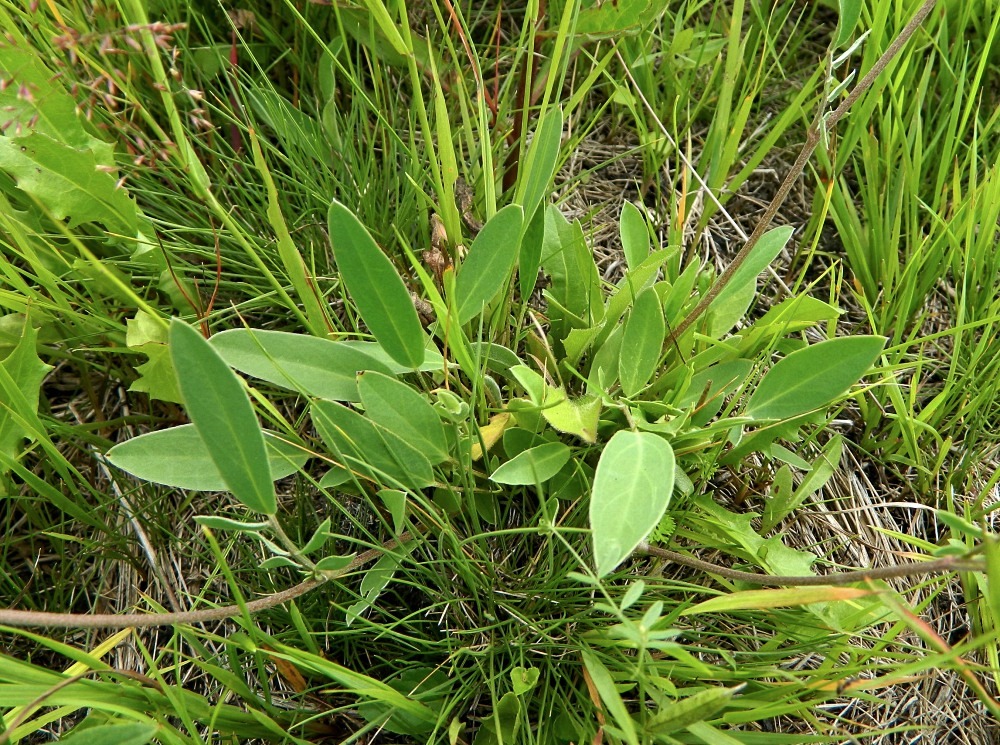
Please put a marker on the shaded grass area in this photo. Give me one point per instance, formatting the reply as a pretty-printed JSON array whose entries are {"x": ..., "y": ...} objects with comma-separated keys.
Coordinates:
[{"x": 487, "y": 624}]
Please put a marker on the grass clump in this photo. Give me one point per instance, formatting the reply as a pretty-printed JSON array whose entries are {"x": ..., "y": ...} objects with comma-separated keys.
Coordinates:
[{"x": 439, "y": 316}]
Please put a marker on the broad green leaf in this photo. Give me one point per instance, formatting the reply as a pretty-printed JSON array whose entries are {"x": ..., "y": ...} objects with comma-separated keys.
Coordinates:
[
  {"x": 605, "y": 20},
  {"x": 578, "y": 416},
  {"x": 133, "y": 733},
  {"x": 376, "y": 288},
  {"x": 400, "y": 409},
  {"x": 634, "y": 234},
  {"x": 533, "y": 466},
  {"x": 632, "y": 488},
  {"x": 178, "y": 457},
  {"x": 642, "y": 342},
  {"x": 575, "y": 292},
  {"x": 604, "y": 683},
  {"x": 731, "y": 304},
  {"x": 497, "y": 358},
  {"x": 780, "y": 598},
  {"x": 371, "y": 451},
  {"x": 813, "y": 376},
  {"x": 313, "y": 366},
  {"x": 70, "y": 183},
  {"x": 708, "y": 388},
  {"x": 224, "y": 417},
  {"x": 523, "y": 679},
  {"x": 489, "y": 264},
  {"x": 691, "y": 709},
  {"x": 21, "y": 376},
  {"x": 539, "y": 165},
  {"x": 850, "y": 13}
]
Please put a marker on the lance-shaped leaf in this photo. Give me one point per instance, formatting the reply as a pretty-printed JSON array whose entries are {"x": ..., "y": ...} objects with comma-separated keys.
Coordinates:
[
  {"x": 813, "y": 377},
  {"x": 308, "y": 364},
  {"x": 632, "y": 488},
  {"x": 178, "y": 457},
  {"x": 224, "y": 417},
  {"x": 399, "y": 408},
  {"x": 643, "y": 337},
  {"x": 489, "y": 263},
  {"x": 376, "y": 288},
  {"x": 533, "y": 466}
]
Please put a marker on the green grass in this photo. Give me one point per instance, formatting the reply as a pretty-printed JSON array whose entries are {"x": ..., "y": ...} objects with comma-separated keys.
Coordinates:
[{"x": 492, "y": 626}]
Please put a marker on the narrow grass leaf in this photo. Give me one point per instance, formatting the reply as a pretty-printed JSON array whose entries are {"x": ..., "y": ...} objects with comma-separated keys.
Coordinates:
[
  {"x": 178, "y": 457},
  {"x": 634, "y": 234},
  {"x": 786, "y": 597},
  {"x": 540, "y": 162},
  {"x": 533, "y": 466},
  {"x": 224, "y": 417},
  {"x": 307, "y": 364},
  {"x": 604, "y": 684},
  {"x": 813, "y": 377},
  {"x": 489, "y": 264},
  {"x": 643, "y": 337},
  {"x": 632, "y": 488},
  {"x": 376, "y": 288},
  {"x": 402, "y": 410}
]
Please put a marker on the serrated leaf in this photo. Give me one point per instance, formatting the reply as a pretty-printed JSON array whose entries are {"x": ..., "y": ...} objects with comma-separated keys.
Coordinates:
[
  {"x": 632, "y": 487},
  {"x": 224, "y": 417},
  {"x": 21, "y": 376},
  {"x": 68, "y": 182},
  {"x": 313, "y": 366},
  {"x": 489, "y": 264},
  {"x": 813, "y": 377},
  {"x": 642, "y": 342},
  {"x": 399, "y": 408},
  {"x": 533, "y": 466},
  {"x": 376, "y": 288},
  {"x": 178, "y": 457}
]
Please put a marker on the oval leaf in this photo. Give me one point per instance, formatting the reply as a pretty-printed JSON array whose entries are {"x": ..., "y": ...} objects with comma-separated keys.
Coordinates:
[
  {"x": 813, "y": 377},
  {"x": 178, "y": 457},
  {"x": 223, "y": 415},
  {"x": 313, "y": 366},
  {"x": 376, "y": 288},
  {"x": 405, "y": 412},
  {"x": 632, "y": 488},
  {"x": 533, "y": 466},
  {"x": 489, "y": 263},
  {"x": 642, "y": 342},
  {"x": 635, "y": 235}
]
